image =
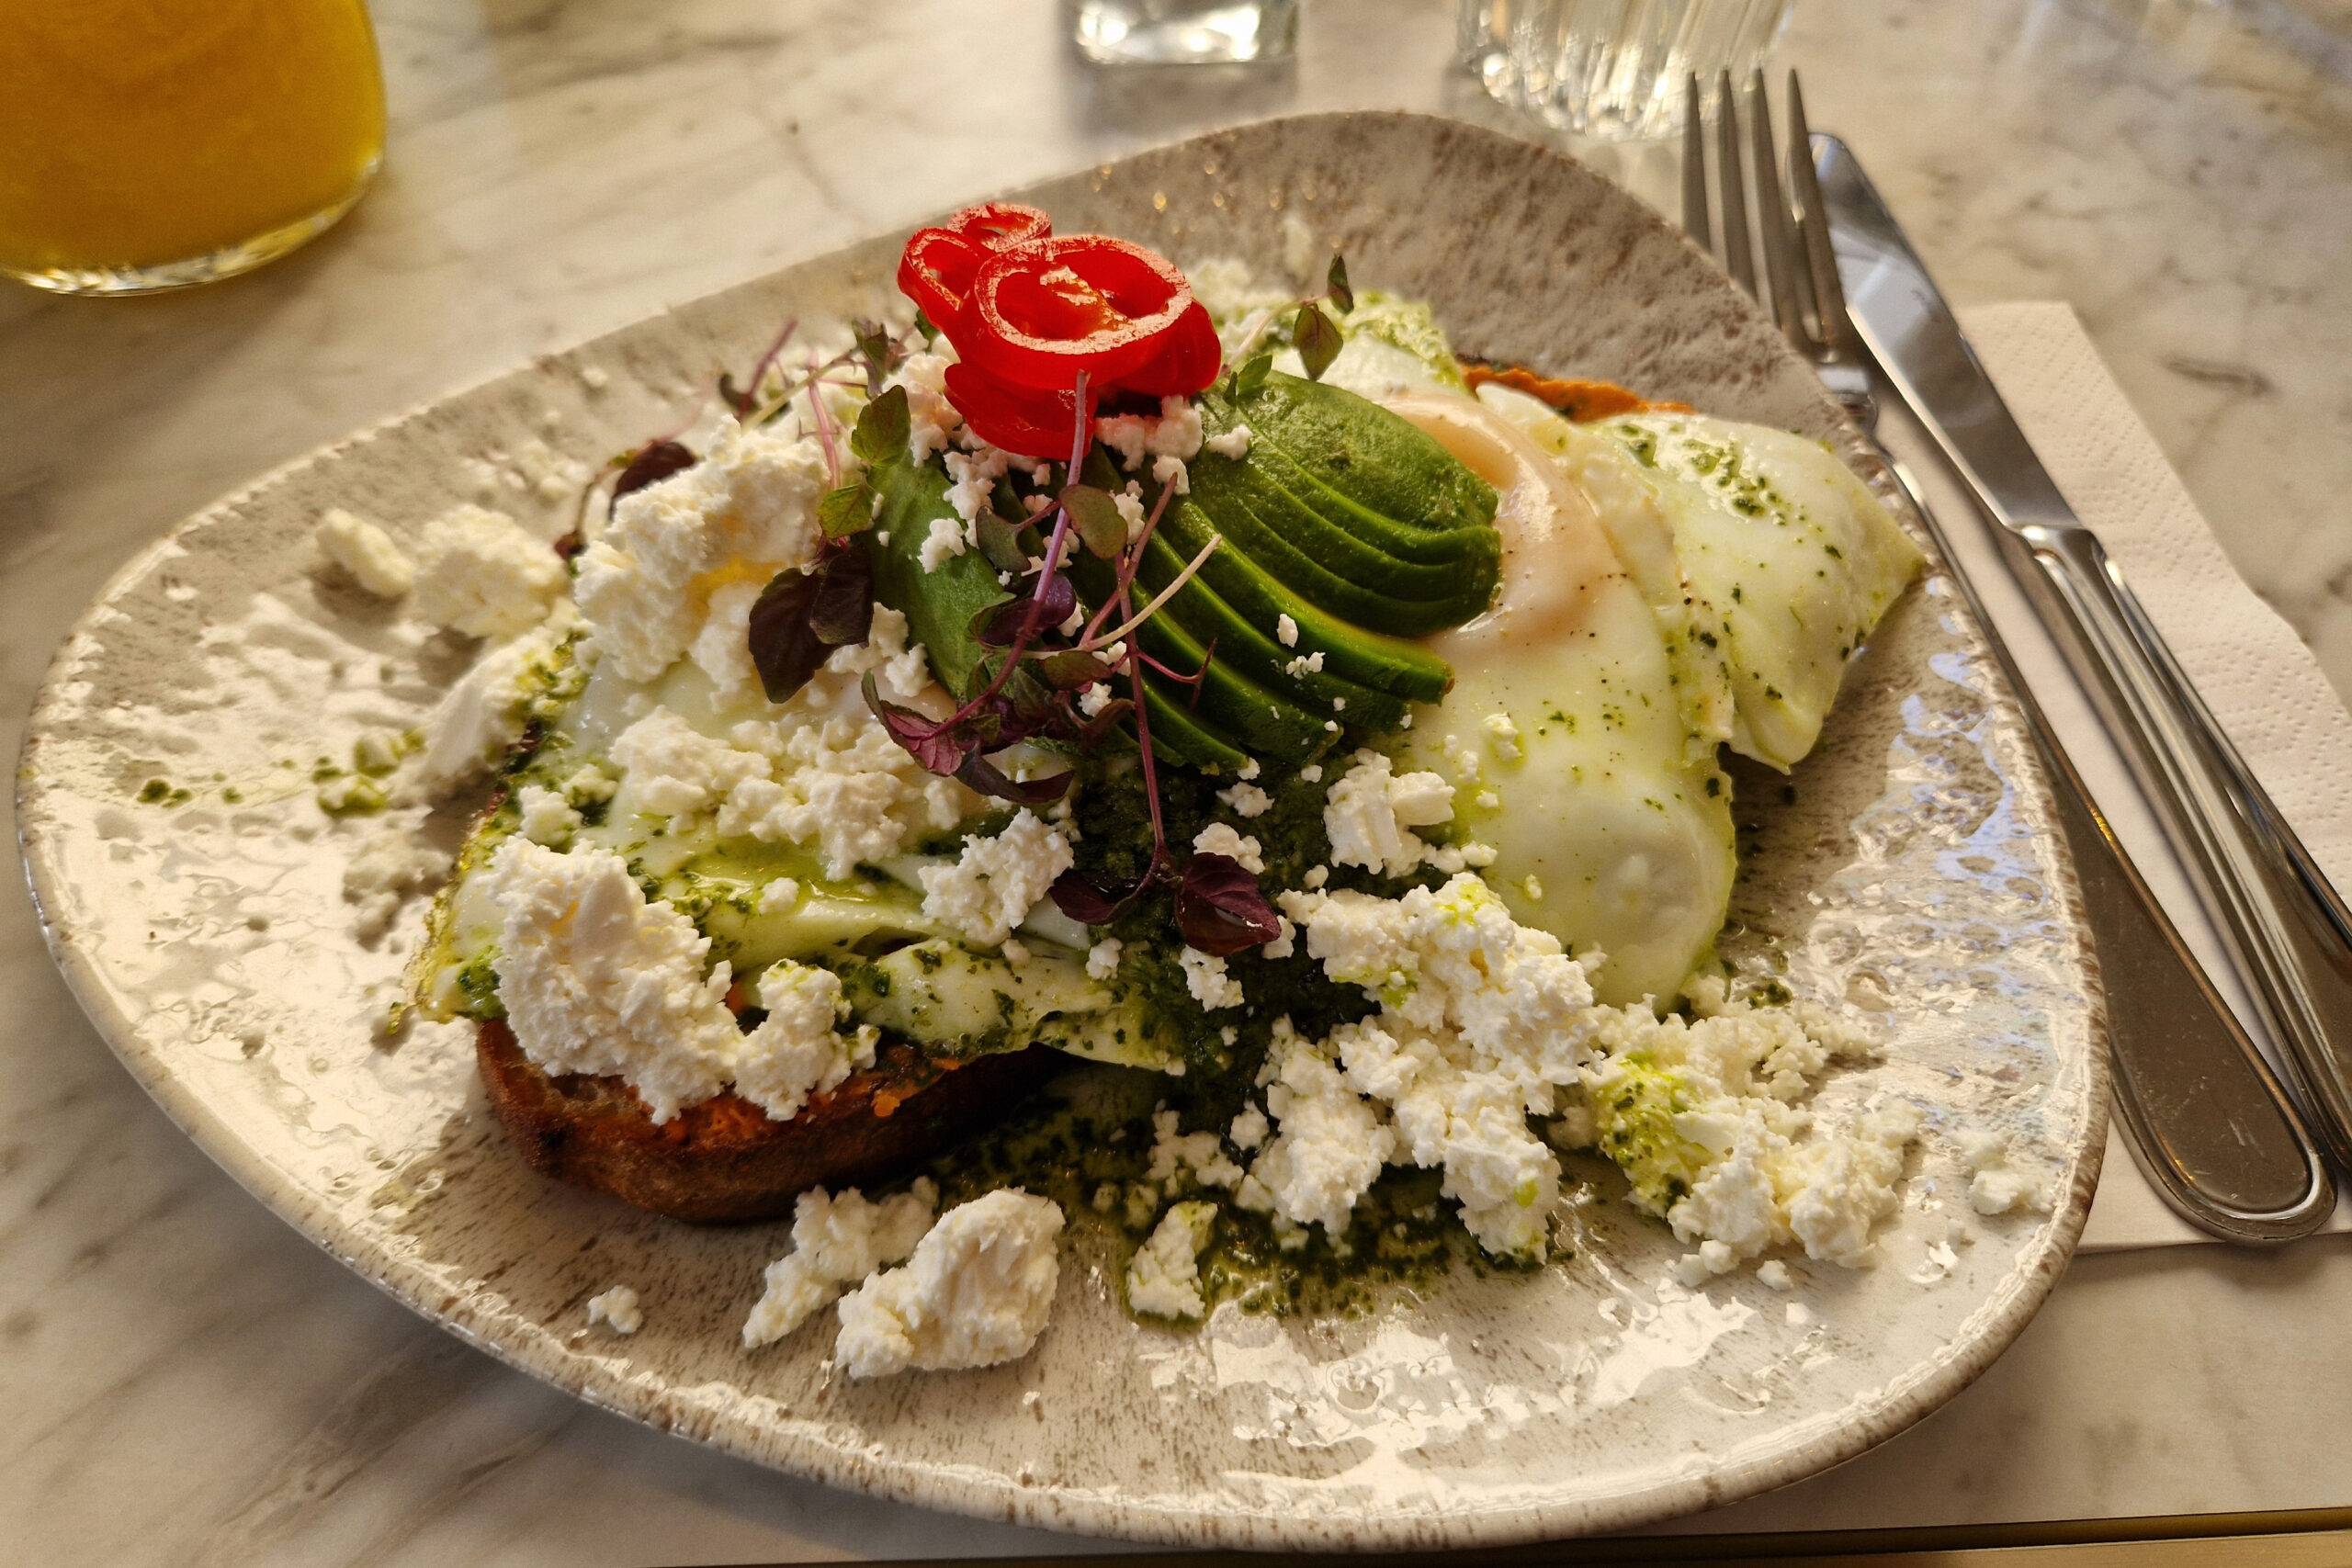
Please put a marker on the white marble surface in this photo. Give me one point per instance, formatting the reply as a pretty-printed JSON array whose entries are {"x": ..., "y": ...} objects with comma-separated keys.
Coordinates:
[{"x": 188, "y": 1380}]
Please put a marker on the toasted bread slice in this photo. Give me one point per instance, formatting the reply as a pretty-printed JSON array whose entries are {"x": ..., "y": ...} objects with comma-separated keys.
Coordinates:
[{"x": 727, "y": 1159}]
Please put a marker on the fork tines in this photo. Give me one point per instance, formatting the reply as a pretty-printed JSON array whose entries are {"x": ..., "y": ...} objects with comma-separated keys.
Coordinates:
[{"x": 1799, "y": 277}]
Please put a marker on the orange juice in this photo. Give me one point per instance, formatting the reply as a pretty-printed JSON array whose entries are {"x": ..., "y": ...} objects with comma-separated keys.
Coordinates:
[{"x": 149, "y": 143}]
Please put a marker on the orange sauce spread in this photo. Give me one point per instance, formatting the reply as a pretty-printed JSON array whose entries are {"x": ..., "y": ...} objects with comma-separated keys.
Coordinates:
[
  {"x": 140, "y": 132},
  {"x": 1579, "y": 401}
]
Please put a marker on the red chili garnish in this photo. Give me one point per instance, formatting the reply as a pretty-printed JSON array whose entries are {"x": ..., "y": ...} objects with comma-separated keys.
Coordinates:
[
  {"x": 939, "y": 263},
  {"x": 1041, "y": 312},
  {"x": 1029, "y": 313}
]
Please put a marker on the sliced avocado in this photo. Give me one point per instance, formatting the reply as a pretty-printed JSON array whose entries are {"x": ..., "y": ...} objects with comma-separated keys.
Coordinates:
[
  {"x": 1274, "y": 474},
  {"x": 1367, "y": 658},
  {"x": 1203, "y": 612},
  {"x": 1177, "y": 736},
  {"x": 1331, "y": 568},
  {"x": 939, "y": 604},
  {"x": 1359, "y": 450}
]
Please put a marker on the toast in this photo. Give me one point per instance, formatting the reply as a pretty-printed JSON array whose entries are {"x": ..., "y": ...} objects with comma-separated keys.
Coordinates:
[{"x": 726, "y": 1159}]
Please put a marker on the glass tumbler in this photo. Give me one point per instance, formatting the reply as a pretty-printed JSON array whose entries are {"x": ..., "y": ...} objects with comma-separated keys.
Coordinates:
[
  {"x": 1611, "y": 69},
  {"x": 1186, "y": 32},
  {"x": 148, "y": 144}
]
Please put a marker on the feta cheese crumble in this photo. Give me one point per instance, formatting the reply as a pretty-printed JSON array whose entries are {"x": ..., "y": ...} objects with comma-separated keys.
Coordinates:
[
  {"x": 836, "y": 1242},
  {"x": 477, "y": 572},
  {"x": 1164, "y": 1277},
  {"x": 977, "y": 1292},
  {"x": 597, "y": 980},
  {"x": 796, "y": 1052},
  {"x": 1369, "y": 810},
  {"x": 618, "y": 1308},
  {"x": 1997, "y": 1183},
  {"x": 1175, "y": 434},
  {"x": 1224, "y": 839},
  {"x": 996, "y": 882},
  {"x": 365, "y": 553},
  {"x": 1233, "y": 444},
  {"x": 1205, "y": 976}
]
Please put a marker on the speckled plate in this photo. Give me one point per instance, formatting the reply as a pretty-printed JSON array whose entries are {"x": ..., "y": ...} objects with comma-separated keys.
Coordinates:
[{"x": 1915, "y": 873}]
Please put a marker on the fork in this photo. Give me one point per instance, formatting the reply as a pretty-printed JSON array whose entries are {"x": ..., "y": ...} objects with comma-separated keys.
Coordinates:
[{"x": 2209, "y": 1123}]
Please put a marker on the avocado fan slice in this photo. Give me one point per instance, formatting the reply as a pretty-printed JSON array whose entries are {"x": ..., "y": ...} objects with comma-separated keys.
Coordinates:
[
  {"x": 1375, "y": 459},
  {"x": 1208, "y": 620}
]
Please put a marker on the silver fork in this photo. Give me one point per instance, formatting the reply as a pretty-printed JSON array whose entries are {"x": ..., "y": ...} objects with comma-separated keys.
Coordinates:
[{"x": 2209, "y": 1124}]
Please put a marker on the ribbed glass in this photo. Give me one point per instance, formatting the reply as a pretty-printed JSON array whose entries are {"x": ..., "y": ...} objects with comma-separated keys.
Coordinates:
[{"x": 1611, "y": 68}]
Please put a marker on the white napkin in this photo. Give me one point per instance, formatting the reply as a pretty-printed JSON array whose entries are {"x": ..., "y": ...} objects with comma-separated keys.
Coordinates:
[{"x": 2252, "y": 669}]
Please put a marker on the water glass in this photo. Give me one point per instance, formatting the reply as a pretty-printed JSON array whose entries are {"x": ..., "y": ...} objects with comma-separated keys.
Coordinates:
[
  {"x": 1611, "y": 69},
  {"x": 1186, "y": 32}
]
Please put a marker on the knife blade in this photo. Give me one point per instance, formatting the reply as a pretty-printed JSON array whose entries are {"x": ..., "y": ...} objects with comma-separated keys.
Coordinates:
[{"x": 2289, "y": 931}]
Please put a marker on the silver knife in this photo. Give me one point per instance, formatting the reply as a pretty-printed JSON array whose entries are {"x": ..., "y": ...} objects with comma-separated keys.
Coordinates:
[{"x": 2290, "y": 933}]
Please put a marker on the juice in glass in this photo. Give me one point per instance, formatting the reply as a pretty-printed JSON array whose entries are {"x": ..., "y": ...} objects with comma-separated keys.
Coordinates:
[{"x": 151, "y": 144}]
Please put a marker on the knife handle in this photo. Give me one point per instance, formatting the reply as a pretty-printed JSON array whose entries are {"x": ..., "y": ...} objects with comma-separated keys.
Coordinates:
[
  {"x": 2291, "y": 933},
  {"x": 2209, "y": 1126}
]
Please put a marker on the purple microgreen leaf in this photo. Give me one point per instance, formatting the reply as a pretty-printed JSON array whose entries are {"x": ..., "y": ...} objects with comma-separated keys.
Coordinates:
[
  {"x": 737, "y": 398},
  {"x": 1071, "y": 670},
  {"x": 653, "y": 463},
  {"x": 984, "y": 777},
  {"x": 882, "y": 425},
  {"x": 1317, "y": 339},
  {"x": 1219, "y": 908},
  {"x": 1001, "y": 542},
  {"x": 1006, "y": 622},
  {"x": 845, "y": 510},
  {"x": 785, "y": 650},
  {"x": 843, "y": 610},
  {"x": 1103, "y": 723},
  {"x": 1337, "y": 282},
  {"x": 1093, "y": 903},
  {"x": 1096, "y": 517},
  {"x": 937, "y": 746}
]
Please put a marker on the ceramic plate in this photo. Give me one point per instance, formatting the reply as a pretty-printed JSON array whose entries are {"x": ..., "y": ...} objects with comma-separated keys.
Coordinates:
[{"x": 1910, "y": 869}]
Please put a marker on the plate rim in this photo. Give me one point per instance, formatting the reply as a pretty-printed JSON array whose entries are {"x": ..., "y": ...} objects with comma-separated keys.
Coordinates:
[{"x": 1979, "y": 1340}]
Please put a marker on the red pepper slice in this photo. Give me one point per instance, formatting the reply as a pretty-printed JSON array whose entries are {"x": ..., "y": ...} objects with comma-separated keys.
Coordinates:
[
  {"x": 1034, "y": 423},
  {"x": 937, "y": 267},
  {"x": 1188, "y": 361},
  {"x": 1041, "y": 312}
]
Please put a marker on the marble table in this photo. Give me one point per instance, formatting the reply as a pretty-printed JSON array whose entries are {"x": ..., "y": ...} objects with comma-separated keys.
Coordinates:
[{"x": 186, "y": 1381}]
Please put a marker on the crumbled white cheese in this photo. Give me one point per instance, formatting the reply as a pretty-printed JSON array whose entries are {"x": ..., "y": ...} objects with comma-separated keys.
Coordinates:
[
  {"x": 1284, "y": 944},
  {"x": 1311, "y": 773},
  {"x": 1368, "y": 810},
  {"x": 1224, "y": 839},
  {"x": 836, "y": 1242},
  {"x": 365, "y": 553},
  {"x": 588, "y": 784},
  {"x": 1774, "y": 1275},
  {"x": 1164, "y": 1279},
  {"x": 932, "y": 420},
  {"x": 796, "y": 1052},
  {"x": 1205, "y": 976},
  {"x": 1248, "y": 770},
  {"x": 1175, "y": 434},
  {"x": 1502, "y": 734},
  {"x": 977, "y": 1292},
  {"x": 1171, "y": 472},
  {"x": 996, "y": 882},
  {"x": 1305, "y": 664},
  {"x": 1331, "y": 1143},
  {"x": 1233, "y": 444},
  {"x": 1095, "y": 698},
  {"x": 477, "y": 572},
  {"x": 1245, "y": 800},
  {"x": 945, "y": 539},
  {"x": 1178, "y": 1158},
  {"x": 779, "y": 897},
  {"x": 485, "y": 711},
  {"x": 1103, "y": 958},
  {"x": 741, "y": 514},
  {"x": 974, "y": 477},
  {"x": 548, "y": 817},
  {"x": 596, "y": 980},
  {"x": 1286, "y": 631},
  {"x": 617, "y": 1307},
  {"x": 387, "y": 867},
  {"x": 1997, "y": 1183},
  {"x": 1249, "y": 1128}
]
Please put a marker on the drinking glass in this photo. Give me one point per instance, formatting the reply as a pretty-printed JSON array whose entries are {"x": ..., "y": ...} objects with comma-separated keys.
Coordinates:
[
  {"x": 1186, "y": 32},
  {"x": 148, "y": 144},
  {"x": 1611, "y": 69}
]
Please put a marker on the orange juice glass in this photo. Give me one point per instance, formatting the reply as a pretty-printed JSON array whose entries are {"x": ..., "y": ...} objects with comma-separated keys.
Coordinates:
[{"x": 150, "y": 144}]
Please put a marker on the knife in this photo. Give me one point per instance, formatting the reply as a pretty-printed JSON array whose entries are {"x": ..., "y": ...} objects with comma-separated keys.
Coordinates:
[{"x": 2211, "y": 1127}]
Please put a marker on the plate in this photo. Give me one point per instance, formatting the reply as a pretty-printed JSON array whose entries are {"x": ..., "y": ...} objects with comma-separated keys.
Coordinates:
[{"x": 195, "y": 897}]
